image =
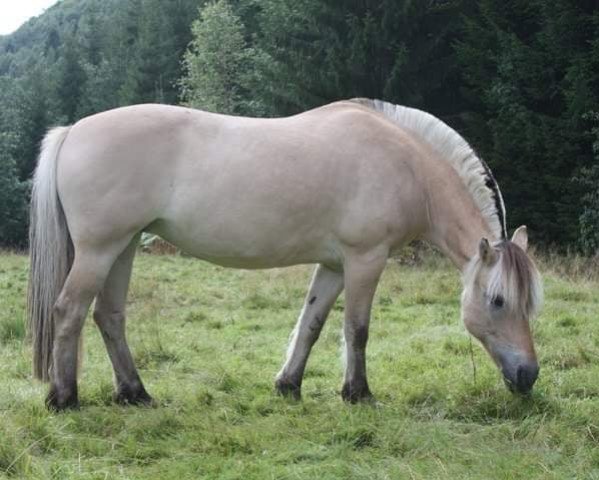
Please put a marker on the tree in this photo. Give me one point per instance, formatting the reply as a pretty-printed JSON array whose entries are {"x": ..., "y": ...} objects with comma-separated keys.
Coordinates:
[
  {"x": 159, "y": 32},
  {"x": 13, "y": 192},
  {"x": 72, "y": 80},
  {"x": 100, "y": 91},
  {"x": 35, "y": 107},
  {"x": 531, "y": 73},
  {"x": 589, "y": 218},
  {"x": 517, "y": 77},
  {"x": 320, "y": 51},
  {"x": 13, "y": 197},
  {"x": 217, "y": 64}
]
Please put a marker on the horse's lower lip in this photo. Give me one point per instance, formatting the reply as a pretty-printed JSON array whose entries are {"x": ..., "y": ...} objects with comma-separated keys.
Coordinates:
[
  {"x": 514, "y": 388},
  {"x": 509, "y": 384}
]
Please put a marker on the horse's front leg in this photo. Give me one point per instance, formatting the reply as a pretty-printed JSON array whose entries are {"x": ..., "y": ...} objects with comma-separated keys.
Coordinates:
[
  {"x": 362, "y": 274},
  {"x": 325, "y": 288}
]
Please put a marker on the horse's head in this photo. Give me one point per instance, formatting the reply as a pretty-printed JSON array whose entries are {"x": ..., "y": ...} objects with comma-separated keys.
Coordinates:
[{"x": 502, "y": 293}]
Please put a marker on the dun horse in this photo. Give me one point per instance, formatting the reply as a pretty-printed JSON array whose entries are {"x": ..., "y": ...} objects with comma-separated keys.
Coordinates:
[{"x": 343, "y": 186}]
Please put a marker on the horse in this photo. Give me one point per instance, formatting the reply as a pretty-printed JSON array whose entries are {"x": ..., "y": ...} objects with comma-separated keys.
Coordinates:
[{"x": 344, "y": 186}]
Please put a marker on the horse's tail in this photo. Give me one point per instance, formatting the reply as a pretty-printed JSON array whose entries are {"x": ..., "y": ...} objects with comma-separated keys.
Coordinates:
[{"x": 50, "y": 252}]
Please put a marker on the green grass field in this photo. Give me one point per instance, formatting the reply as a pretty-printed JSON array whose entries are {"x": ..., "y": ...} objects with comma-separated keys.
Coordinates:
[{"x": 208, "y": 342}]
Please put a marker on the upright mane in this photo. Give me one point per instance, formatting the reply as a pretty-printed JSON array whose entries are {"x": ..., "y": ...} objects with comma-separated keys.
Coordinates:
[{"x": 451, "y": 146}]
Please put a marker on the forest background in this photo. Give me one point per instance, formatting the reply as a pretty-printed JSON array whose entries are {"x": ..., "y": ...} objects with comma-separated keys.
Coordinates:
[{"x": 518, "y": 78}]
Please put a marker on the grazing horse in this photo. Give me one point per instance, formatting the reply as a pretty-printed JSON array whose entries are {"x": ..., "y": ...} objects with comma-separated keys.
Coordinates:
[{"x": 343, "y": 186}]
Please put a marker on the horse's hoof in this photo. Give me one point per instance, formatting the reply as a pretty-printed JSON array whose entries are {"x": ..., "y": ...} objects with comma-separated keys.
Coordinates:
[
  {"x": 60, "y": 401},
  {"x": 128, "y": 395},
  {"x": 288, "y": 389},
  {"x": 356, "y": 393}
]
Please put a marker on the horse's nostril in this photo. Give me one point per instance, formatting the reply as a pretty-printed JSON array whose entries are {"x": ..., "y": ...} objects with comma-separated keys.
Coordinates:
[{"x": 526, "y": 375}]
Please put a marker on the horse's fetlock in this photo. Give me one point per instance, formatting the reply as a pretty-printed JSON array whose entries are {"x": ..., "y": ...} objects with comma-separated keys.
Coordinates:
[
  {"x": 356, "y": 391},
  {"x": 289, "y": 388},
  {"x": 133, "y": 393},
  {"x": 59, "y": 399},
  {"x": 360, "y": 336}
]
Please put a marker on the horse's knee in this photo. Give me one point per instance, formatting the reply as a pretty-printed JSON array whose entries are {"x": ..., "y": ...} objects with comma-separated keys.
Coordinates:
[
  {"x": 101, "y": 317},
  {"x": 109, "y": 323},
  {"x": 67, "y": 322}
]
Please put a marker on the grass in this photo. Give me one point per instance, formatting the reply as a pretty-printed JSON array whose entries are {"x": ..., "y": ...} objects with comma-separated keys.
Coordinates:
[{"x": 209, "y": 340}]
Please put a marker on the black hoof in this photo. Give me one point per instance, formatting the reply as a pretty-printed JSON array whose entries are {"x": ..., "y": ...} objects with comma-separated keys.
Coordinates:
[
  {"x": 288, "y": 389},
  {"x": 133, "y": 395},
  {"x": 58, "y": 401},
  {"x": 356, "y": 393}
]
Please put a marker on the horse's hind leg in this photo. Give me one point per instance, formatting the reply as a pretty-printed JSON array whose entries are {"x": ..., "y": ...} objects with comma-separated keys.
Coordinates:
[
  {"x": 109, "y": 315},
  {"x": 87, "y": 275},
  {"x": 324, "y": 290}
]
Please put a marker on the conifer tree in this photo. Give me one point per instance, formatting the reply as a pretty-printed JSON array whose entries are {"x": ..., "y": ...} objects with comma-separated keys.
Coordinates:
[{"x": 532, "y": 78}]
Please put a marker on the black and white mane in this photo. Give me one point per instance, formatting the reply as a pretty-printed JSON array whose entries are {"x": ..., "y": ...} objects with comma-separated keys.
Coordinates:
[{"x": 473, "y": 171}]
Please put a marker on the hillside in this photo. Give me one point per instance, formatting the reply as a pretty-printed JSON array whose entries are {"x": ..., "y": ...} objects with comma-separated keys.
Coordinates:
[
  {"x": 519, "y": 79},
  {"x": 35, "y": 38},
  {"x": 132, "y": 39}
]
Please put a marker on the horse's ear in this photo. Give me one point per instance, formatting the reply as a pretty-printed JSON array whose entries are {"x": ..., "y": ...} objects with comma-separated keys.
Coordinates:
[
  {"x": 520, "y": 237},
  {"x": 486, "y": 252}
]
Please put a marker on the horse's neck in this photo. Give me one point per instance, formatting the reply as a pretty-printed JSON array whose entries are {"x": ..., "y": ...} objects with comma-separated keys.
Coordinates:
[{"x": 456, "y": 225}]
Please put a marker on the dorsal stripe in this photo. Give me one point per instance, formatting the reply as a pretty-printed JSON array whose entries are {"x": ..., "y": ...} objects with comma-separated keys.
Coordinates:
[
  {"x": 491, "y": 183},
  {"x": 451, "y": 146}
]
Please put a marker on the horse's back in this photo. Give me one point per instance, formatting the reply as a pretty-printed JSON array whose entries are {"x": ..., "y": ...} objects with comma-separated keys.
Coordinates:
[{"x": 225, "y": 187}]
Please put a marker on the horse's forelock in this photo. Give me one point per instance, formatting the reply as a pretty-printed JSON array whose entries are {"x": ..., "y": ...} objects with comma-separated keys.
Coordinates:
[{"x": 517, "y": 279}]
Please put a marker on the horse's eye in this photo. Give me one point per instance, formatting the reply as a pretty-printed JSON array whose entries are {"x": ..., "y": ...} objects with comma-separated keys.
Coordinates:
[{"x": 497, "y": 301}]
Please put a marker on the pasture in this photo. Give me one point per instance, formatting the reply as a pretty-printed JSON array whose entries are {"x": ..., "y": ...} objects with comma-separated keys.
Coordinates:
[{"x": 208, "y": 342}]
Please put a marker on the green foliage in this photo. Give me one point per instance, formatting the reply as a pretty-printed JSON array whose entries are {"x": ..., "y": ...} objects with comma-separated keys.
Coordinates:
[
  {"x": 532, "y": 73},
  {"x": 71, "y": 81},
  {"x": 13, "y": 190},
  {"x": 589, "y": 219},
  {"x": 30, "y": 109},
  {"x": 516, "y": 76},
  {"x": 79, "y": 58},
  {"x": 13, "y": 196},
  {"x": 164, "y": 33},
  {"x": 209, "y": 351},
  {"x": 218, "y": 63},
  {"x": 323, "y": 51}
]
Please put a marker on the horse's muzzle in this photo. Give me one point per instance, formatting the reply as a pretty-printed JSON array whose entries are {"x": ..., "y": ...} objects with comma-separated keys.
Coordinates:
[
  {"x": 519, "y": 371},
  {"x": 521, "y": 378}
]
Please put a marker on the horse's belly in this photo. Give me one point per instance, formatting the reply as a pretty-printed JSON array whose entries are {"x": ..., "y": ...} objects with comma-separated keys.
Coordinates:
[{"x": 253, "y": 248}]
